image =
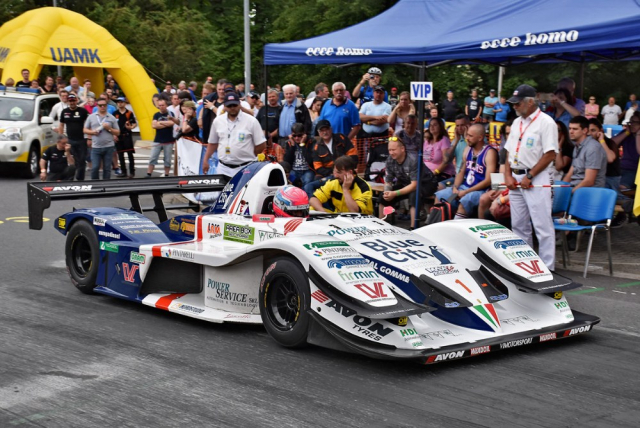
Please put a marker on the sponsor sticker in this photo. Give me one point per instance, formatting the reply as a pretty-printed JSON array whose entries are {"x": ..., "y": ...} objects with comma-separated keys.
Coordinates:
[
  {"x": 265, "y": 236},
  {"x": 214, "y": 230},
  {"x": 502, "y": 245},
  {"x": 239, "y": 233},
  {"x": 325, "y": 244},
  {"x": 486, "y": 227},
  {"x": 98, "y": 221},
  {"x": 174, "y": 225},
  {"x": 137, "y": 258},
  {"x": 405, "y": 250},
  {"x": 442, "y": 270},
  {"x": 62, "y": 223},
  {"x": 109, "y": 234},
  {"x": 340, "y": 263},
  {"x": 108, "y": 246},
  {"x": 184, "y": 307},
  {"x": 179, "y": 254}
]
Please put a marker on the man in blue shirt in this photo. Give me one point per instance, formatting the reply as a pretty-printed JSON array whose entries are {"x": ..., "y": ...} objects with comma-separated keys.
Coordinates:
[
  {"x": 341, "y": 113},
  {"x": 374, "y": 115},
  {"x": 489, "y": 103},
  {"x": 501, "y": 110},
  {"x": 293, "y": 111}
]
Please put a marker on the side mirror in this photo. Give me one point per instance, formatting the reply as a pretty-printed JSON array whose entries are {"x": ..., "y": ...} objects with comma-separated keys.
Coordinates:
[{"x": 46, "y": 120}]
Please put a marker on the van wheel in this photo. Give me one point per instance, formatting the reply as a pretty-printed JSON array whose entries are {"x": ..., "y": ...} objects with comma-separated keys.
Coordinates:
[{"x": 32, "y": 168}]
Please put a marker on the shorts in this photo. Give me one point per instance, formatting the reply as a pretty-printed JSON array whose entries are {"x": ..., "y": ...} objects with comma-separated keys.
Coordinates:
[{"x": 166, "y": 148}]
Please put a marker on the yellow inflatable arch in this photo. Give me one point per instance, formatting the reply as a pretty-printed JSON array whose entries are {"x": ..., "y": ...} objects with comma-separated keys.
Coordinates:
[{"x": 57, "y": 36}]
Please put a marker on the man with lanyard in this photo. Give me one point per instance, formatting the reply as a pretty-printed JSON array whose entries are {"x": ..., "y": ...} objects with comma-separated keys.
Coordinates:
[
  {"x": 74, "y": 117},
  {"x": 531, "y": 147},
  {"x": 236, "y": 136},
  {"x": 474, "y": 178},
  {"x": 102, "y": 127}
]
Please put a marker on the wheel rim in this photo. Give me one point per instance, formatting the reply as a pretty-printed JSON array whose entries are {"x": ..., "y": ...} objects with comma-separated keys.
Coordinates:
[
  {"x": 81, "y": 256},
  {"x": 33, "y": 162},
  {"x": 283, "y": 303}
]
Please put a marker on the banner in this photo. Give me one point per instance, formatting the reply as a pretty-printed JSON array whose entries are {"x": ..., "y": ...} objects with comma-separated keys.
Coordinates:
[{"x": 190, "y": 156}]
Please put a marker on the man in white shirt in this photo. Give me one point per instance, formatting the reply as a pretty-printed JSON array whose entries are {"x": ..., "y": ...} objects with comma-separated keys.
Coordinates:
[
  {"x": 236, "y": 136},
  {"x": 531, "y": 147},
  {"x": 56, "y": 110},
  {"x": 611, "y": 113}
]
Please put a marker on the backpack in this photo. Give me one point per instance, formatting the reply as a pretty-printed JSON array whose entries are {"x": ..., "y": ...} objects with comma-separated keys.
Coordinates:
[
  {"x": 377, "y": 161},
  {"x": 428, "y": 182},
  {"x": 441, "y": 211}
]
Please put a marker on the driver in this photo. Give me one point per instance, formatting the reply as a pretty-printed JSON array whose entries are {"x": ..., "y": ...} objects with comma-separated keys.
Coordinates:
[{"x": 291, "y": 201}]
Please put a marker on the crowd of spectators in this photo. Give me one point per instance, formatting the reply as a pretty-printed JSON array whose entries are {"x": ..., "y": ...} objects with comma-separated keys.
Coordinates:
[{"x": 325, "y": 139}]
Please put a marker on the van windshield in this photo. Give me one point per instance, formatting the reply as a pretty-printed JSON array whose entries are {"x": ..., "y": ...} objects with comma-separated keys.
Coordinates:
[{"x": 15, "y": 110}]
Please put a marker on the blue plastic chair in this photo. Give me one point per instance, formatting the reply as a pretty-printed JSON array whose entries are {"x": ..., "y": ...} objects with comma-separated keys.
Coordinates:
[
  {"x": 561, "y": 198},
  {"x": 595, "y": 205}
]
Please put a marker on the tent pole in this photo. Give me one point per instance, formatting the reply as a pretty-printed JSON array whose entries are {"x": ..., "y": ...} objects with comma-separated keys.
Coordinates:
[
  {"x": 501, "y": 71},
  {"x": 582, "y": 67},
  {"x": 421, "y": 78}
]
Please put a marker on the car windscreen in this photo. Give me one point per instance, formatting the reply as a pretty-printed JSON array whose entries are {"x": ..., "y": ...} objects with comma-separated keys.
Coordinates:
[{"x": 16, "y": 109}]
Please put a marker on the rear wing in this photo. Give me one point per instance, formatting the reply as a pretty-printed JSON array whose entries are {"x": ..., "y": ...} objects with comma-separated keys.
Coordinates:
[{"x": 40, "y": 194}]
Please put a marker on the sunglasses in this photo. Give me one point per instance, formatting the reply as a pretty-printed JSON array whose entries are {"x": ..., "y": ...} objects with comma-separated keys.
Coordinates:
[
  {"x": 102, "y": 105},
  {"x": 297, "y": 135}
]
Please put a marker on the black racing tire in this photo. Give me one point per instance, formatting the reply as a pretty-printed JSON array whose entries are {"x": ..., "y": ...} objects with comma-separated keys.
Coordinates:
[
  {"x": 284, "y": 302},
  {"x": 32, "y": 168},
  {"x": 82, "y": 254}
]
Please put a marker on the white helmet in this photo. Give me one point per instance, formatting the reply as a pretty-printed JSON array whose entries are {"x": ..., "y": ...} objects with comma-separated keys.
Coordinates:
[
  {"x": 375, "y": 70},
  {"x": 15, "y": 113}
]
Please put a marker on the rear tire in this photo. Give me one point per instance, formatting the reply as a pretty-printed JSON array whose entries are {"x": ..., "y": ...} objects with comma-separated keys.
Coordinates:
[
  {"x": 284, "y": 301},
  {"x": 82, "y": 252},
  {"x": 31, "y": 169}
]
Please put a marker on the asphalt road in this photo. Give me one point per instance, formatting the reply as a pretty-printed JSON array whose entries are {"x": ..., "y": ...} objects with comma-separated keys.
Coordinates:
[{"x": 72, "y": 360}]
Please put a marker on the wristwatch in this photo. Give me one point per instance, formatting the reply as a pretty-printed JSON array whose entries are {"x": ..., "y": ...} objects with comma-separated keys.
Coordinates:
[{"x": 529, "y": 176}]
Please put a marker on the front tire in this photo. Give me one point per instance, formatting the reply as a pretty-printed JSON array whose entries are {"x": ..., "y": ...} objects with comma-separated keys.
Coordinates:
[
  {"x": 31, "y": 169},
  {"x": 284, "y": 301},
  {"x": 82, "y": 252}
]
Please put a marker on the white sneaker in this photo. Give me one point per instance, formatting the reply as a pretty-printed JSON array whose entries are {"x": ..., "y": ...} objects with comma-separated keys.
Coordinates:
[{"x": 165, "y": 175}]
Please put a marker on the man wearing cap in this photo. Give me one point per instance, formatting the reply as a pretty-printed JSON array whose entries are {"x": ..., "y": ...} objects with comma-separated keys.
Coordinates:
[
  {"x": 57, "y": 163},
  {"x": 394, "y": 98},
  {"x": 450, "y": 107},
  {"x": 365, "y": 87},
  {"x": 124, "y": 142},
  {"x": 251, "y": 101},
  {"x": 73, "y": 118},
  {"x": 531, "y": 147},
  {"x": 489, "y": 103},
  {"x": 236, "y": 136},
  {"x": 374, "y": 115},
  {"x": 341, "y": 112},
  {"x": 328, "y": 147}
]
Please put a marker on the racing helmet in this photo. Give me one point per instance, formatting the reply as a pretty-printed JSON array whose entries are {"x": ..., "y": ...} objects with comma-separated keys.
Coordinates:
[
  {"x": 291, "y": 201},
  {"x": 375, "y": 70},
  {"x": 15, "y": 113}
]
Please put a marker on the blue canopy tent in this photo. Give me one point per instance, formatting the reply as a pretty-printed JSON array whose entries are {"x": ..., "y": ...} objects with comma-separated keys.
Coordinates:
[{"x": 500, "y": 32}]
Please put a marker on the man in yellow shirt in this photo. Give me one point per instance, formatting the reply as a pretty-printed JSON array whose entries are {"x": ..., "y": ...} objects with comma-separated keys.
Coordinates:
[{"x": 346, "y": 193}]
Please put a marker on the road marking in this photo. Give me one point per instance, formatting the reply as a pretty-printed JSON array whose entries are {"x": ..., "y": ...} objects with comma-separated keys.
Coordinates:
[
  {"x": 585, "y": 291},
  {"x": 615, "y": 330},
  {"x": 621, "y": 292},
  {"x": 629, "y": 284},
  {"x": 21, "y": 219}
]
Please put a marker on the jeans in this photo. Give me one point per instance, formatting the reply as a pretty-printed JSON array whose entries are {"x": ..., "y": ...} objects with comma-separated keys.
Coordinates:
[
  {"x": 305, "y": 176},
  {"x": 628, "y": 178},
  {"x": 166, "y": 149},
  {"x": 79, "y": 152},
  {"x": 315, "y": 185},
  {"x": 104, "y": 155}
]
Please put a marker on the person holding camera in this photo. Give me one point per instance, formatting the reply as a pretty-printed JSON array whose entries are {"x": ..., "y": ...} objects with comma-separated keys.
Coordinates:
[
  {"x": 102, "y": 127},
  {"x": 365, "y": 87}
]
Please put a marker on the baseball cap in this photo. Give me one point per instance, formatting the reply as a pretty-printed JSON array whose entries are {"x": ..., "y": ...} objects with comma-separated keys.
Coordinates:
[
  {"x": 231, "y": 98},
  {"x": 254, "y": 94},
  {"x": 121, "y": 99},
  {"x": 323, "y": 124},
  {"x": 394, "y": 89},
  {"x": 522, "y": 92},
  {"x": 379, "y": 88},
  {"x": 72, "y": 97},
  {"x": 189, "y": 104}
]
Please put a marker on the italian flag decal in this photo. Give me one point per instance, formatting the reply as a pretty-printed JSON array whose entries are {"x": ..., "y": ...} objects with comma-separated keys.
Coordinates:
[{"x": 489, "y": 313}]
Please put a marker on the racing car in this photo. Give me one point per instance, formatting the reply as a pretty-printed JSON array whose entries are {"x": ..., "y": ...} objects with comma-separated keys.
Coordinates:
[{"x": 348, "y": 282}]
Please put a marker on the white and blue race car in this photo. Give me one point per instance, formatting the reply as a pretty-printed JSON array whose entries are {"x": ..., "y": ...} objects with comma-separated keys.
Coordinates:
[{"x": 349, "y": 282}]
